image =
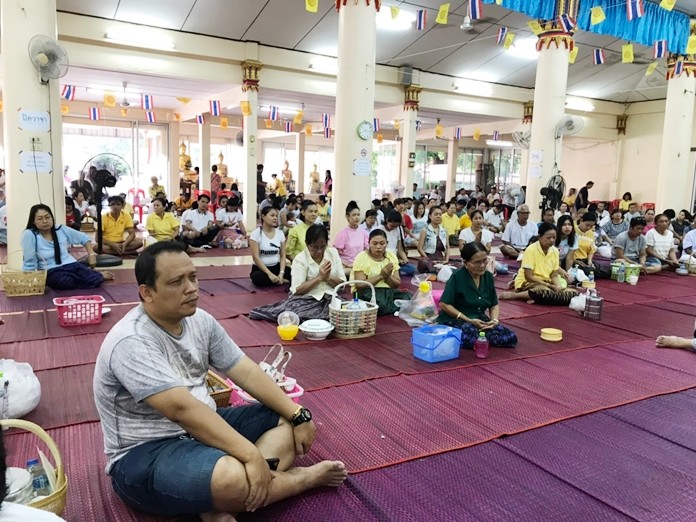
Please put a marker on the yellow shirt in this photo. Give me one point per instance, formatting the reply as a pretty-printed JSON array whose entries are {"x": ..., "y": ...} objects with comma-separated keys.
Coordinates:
[
  {"x": 296, "y": 239},
  {"x": 161, "y": 228},
  {"x": 623, "y": 204},
  {"x": 181, "y": 203},
  {"x": 451, "y": 224},
  {"x": 279, "y": 188},
  {"x": 154, "y": 190},
  {"x": 569, "y": 200},
  {"x": 586, "y": 243},
  {"x": 370, "y": 267},
  {"x": 542, "y": 265},
  {"x": 323, "y": 212},
  {"x": 114, "y": 229},
  {"x": 464, "y": 222}
]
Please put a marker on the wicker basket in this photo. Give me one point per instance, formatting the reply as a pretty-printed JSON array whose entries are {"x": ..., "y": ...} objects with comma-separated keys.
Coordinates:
[
  {"x": 353, "y": 324},
  {"x": 18, "y": 283},
  {"x": 219, "y": 390},
  {"x": 55, "y": 502}
]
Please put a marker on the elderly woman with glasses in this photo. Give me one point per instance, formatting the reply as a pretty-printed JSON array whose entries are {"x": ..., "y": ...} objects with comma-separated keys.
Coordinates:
[{"x": 470, "y": 302}]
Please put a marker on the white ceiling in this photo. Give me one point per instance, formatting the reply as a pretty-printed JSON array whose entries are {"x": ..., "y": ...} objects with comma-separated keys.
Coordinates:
[{"x": 443, "y": 49}]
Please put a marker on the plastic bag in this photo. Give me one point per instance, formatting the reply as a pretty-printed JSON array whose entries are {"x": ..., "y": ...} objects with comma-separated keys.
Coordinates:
[
  {"x": 445, "y": 273},
  {"x": 20, "y": 390},
  {"x": 421, "y": 308},
  {"x": 577, "y": 303}
]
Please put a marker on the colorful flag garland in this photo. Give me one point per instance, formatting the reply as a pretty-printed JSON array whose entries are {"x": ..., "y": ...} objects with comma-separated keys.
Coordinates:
[
  {"x": 598, "y": 56},
  {"x": 475, "y": 9},
  {"x": 660, "y": 49},
  {"x": 146, "y": 102},
  {"x": 634, "y": 9},
  {"x": 215, "y": 108},
  {"x": 420, "y": 19},
  {"x": 94, "y": 113},
  {"x": 150, "y": 116},
  {"x": 502, "y": 32},
  {"x": 68, "y": 92}
]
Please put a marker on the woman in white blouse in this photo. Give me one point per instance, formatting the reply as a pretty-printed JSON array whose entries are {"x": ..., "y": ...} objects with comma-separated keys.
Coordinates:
[
  {"x": 476, "y": 232},
  {"x": 315, "y": 272}
]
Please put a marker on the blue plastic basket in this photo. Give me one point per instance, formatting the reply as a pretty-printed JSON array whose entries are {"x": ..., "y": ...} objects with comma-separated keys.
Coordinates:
[{"x": 436, "y": 343}]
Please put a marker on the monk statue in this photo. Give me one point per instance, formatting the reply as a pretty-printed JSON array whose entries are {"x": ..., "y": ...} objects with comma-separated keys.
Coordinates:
[
  {"x": 221, "y": 167},
  {"x": 315, "y": 185},
  {"x": 287, "y": 178},
  {"x": 189, "y": 174}
]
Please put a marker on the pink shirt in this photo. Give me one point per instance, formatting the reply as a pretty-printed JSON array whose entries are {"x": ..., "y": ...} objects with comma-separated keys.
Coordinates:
[{"x": 350, "y": 242}]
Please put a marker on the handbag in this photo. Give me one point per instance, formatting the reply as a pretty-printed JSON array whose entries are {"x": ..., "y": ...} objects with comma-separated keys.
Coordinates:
[{"x": 20, "y": 390}]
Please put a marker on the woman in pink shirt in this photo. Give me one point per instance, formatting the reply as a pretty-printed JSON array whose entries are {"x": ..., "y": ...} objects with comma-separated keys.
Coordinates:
[{"x": 351, "y": 240}]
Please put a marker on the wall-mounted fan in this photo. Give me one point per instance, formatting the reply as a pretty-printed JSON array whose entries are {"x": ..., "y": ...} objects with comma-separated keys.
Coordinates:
[
  {"x": 569, "y": 125},
  {"x": 48, "y": 57},
  {"x": 522, "y": 138},
  {"x": 553, "y": 192}
]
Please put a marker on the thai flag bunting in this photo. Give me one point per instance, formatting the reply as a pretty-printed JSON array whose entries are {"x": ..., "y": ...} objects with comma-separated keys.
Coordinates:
[
  {"x": 327, "y": 132},
  {"x": 501, "y": 35},
  {"x": 496, "y": 135},
  {"x": 598, "y": 56},
  {"x": 458, "y": 133},
  {"x": 288, "y": 126},
  {"x": 375, "y": 124},
  {"x": 200, "y": 119},
  {"x": 94, "y": 114},
  {"x": 326, "y": 119},
  {"x": 150, "y": 115},
  {"x": 566, "y": 23},
  {"x": 678, "y": 68},
  {"x": 475, "y": 9},
  {"x": 659, "y": 49},
  {"x": 634, "y": 9},
  {"x": 215, "y": 107},
  {"x": 420, "y": 19},
  {"x": 419, "y": 124},
  {"x": 146, "y": 102},
  {"x": 68, "y": 92},
  {"x": 273, "y": 113}
]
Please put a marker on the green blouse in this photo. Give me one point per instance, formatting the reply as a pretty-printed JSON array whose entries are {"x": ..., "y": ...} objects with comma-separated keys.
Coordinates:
[{"x": 461, "y": 292}]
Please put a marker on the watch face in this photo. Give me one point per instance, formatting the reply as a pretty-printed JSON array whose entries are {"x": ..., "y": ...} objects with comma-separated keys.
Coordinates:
[{"x": 365, "y": 130}]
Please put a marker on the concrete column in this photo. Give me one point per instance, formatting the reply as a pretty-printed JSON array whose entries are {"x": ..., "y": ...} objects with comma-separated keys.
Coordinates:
[
  {"x": 204, "y": 141},
  {"x": 300, "y": 140},
  {"x": 29, "y": 183},
  {"x": 407, "y": 131},
  {"x": 674, "y": 186},
  {"x": 355, "y": 99},
  {"x": 549, "y": 107},
  {"x": 250, "y": 86},
  {"x": 171, "y": 179},
  {"x": 452, "y": 153}
]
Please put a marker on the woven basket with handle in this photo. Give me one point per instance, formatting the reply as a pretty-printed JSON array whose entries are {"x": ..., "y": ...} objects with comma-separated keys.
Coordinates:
[
  {"x": 55, "y": 502},
  {"x": 18, "y": 283},
  {"x": 353, "y": 324}
]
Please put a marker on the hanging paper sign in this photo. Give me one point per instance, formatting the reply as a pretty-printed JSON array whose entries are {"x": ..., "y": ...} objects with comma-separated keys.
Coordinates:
[
  {"x": 34, "y": 121},
  {"x": 308, "y": 130},
  {"x": 124, "y": 113},
  {"x": 298, "y": 117},
  {"x": 269, "y": 124},
  {"x": 438, "y": 130},
  {"x": 509, "y": 38},
  {"x": 597, "y": 15},
  {"x": 651, "y": 69},
  {"x": 109, "y": 100},
  {"x": 246, "y": 108},
  {"x": 224, "y": 123},
  {"x": 65, "y": 109},
  {"x": 380, "y": 138},
  {"x": 33, "y": 162},
  {"x": 627, "y": 53},
  {"x": 311, "y": 5},
  {"x": 394, "y": 12},
  {"x": 477, "y": 134}
]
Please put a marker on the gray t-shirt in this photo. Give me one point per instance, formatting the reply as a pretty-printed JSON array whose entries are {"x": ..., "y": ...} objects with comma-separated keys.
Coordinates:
[
  {"x": 631, "y": 247},
  {"x": 138, "y": 359}
]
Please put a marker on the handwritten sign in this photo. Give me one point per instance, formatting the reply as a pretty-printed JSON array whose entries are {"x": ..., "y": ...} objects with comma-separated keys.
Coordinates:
[
  {"x": 31, "y": 162},
  {"x": 34, "y": 121}
]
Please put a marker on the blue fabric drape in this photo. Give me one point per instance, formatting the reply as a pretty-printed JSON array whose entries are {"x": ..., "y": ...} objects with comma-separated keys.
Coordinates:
[
  {"x": 655, "y": 24},
  {"x": 538, "y": 9}
]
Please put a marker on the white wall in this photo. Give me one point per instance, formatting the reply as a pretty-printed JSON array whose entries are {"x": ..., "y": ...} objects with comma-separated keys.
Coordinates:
[{"x": 584, "y": 160}]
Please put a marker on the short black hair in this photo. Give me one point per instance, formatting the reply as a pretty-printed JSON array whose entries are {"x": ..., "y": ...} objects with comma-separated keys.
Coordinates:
[
  {"x": 315, "y": 233},
  {"x": 544, "y": 227},
  {"x": 378, "y": 232},
  {"x": 201, "y": 196},
  {"x": 115, "y": 199},
  {"x": 146, "y": 264},
  {"x": 637, "y": 221},
  {"x": 470, "y": 249},
  {"x": 589, "y": 216},
  {"x": 394, "y": 217}
]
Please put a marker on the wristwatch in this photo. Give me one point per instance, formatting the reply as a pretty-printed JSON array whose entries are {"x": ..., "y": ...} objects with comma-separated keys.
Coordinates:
[{"x": 301, "y": 416}]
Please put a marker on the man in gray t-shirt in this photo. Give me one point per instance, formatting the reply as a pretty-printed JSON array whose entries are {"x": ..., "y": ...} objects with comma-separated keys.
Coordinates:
[
  {"x": 630, "y": 247},
  {"x": 162, "y": 433}
]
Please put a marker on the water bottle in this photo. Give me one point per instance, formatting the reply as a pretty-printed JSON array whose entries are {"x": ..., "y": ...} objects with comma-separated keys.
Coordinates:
[
  {"x": 621, "y": 276},
  {"x": 591, "y": 276},
  {"x": 354, "y": 304},
  {"x": 481, "y": 346},
  {"x": 39, "y": 480}
]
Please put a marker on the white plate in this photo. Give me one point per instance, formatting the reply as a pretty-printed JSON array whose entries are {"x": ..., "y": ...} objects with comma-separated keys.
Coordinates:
[
  {"x": 105, "y": 310},
  {"x": 316, "y": 325}
]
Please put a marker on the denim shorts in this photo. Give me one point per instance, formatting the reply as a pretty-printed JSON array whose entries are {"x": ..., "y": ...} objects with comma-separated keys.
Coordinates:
[
  {"x": 653, "y": 261},
  {"x": 172, "y": 477}
]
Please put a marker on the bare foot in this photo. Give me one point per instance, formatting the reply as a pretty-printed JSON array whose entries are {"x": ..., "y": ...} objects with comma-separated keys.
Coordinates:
[
  {"x": 326, "y": 473},
  {"x": 506, "y": 295},
  {"x": 214, "y": 516},
  {"x": 108, "y": 276},
  {"x": 671, "y": 341},
  {"x": 195, "y": 250}
]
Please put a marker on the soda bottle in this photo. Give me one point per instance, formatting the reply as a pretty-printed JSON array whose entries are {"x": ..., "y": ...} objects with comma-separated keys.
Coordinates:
[
  {"x": 39, "y": 480},
  {"x": 481, "y": 346}
]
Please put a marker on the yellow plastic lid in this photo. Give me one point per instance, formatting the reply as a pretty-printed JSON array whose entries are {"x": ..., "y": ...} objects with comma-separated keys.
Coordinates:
[{"x": 425, "y": 286}]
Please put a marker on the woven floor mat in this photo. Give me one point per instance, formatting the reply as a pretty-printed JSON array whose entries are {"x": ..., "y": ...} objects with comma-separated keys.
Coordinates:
[{"x": 368, "y": 425}]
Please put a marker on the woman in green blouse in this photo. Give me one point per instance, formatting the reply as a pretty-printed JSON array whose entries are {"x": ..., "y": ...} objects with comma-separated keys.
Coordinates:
[{"x": 470, "y": 302}]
